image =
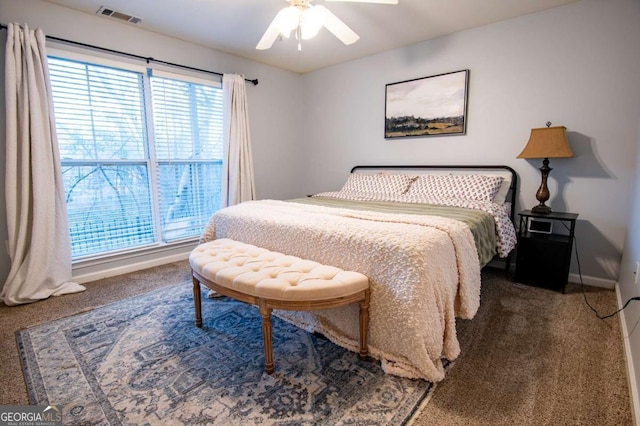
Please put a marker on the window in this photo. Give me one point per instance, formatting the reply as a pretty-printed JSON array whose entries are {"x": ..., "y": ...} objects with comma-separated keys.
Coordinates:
[{"x": 141, "y": 155}]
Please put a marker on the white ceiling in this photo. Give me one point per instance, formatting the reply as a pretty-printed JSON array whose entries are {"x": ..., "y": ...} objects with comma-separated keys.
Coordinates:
[{"x": 236, "y": 26}]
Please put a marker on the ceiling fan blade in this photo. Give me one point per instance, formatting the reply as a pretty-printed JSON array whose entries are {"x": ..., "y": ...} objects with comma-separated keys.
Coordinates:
[
  {"x": 269, "y": 37},
  {"x": 370, "y": 1},
  {"x": 338, "y": 28}
]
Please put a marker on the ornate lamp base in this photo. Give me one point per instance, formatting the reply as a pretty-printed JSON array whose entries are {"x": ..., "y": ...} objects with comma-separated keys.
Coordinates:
[
  {"x": 543, "y": 192},
  {"x": 541, "y": 209}
]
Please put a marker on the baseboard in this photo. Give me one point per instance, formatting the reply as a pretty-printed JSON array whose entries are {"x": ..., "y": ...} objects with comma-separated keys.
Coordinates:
[
  {"x": 631, "y": 374},
  {"x": 593, "y": 281}
]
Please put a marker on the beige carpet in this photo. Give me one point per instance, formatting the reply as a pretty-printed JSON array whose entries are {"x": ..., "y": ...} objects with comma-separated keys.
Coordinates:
[{"x": 530, "y": 357}]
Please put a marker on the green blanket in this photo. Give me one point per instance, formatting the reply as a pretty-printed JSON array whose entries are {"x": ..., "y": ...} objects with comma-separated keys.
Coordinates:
[{"x": 481, "y": 224}]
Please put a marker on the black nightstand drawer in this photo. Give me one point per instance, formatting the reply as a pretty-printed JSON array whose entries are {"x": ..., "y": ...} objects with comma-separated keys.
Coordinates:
[
  {"x": 543, "y": 262},
  {"x": 544, "y": 259}
]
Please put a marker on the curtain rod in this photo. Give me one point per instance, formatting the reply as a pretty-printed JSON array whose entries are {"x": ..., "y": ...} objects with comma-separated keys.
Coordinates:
[{"x": 131, "y": 55}]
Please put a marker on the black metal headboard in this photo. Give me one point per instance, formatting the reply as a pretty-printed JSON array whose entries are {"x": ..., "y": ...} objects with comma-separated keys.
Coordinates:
[{"x": 511, "y": 196}]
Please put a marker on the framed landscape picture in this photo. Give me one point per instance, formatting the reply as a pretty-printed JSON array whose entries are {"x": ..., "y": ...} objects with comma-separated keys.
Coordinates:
[{"x": 428, "y": 106}]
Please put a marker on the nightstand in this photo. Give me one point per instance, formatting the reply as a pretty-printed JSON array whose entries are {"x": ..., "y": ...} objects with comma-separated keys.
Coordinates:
[{"x": 543, "y": 254}]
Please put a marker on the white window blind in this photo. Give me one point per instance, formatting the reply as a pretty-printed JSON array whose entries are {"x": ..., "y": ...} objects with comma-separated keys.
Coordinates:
[
  {"x": 188, "y": 142},
  {"x": 135, "y": 173}
]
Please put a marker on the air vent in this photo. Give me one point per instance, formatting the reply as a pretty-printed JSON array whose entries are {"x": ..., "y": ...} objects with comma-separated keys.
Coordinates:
[{"x": 106, "y": 11}]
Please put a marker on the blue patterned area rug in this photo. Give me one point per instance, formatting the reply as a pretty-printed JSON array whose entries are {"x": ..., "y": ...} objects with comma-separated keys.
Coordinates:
[{"x": 143, "y": 361}]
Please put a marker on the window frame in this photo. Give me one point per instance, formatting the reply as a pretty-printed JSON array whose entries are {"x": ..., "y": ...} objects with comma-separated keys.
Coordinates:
[{"x": 159, "y": 246}]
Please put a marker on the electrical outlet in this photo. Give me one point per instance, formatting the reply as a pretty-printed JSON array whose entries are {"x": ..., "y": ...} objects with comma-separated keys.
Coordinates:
[{"x": 635, "y": 278}]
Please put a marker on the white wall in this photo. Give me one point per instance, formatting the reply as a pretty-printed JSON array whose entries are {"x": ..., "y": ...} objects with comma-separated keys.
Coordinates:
[
  {"x": 274, "y": 105},
  {"x": 576, "y": 66},
  {"x": 628, "y": 287}
]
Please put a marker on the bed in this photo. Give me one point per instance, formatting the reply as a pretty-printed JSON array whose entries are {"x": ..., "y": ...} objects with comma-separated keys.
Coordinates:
[{"x": 420, "y": 233}]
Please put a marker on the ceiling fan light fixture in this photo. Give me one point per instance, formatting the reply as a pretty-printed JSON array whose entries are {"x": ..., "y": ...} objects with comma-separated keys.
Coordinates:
[
  {"x": 288, "y": 20},
  {"x": 307, "y": 20},
  {"x": 311, "y": 21}
]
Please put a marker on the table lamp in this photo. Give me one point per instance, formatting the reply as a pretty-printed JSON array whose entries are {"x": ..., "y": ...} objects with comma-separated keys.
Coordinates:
[{"x": 546, "y": 142}]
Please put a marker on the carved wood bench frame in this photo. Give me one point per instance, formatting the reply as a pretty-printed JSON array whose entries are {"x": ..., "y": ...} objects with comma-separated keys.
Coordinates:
[{"x": 266, "y": 306}]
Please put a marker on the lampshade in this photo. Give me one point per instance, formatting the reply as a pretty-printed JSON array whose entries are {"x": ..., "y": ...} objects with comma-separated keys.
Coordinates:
[{"x": 547, "y": 142}]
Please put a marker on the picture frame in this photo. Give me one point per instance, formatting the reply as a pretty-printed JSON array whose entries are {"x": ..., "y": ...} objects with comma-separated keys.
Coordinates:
[{"x": 429, "y": 106}]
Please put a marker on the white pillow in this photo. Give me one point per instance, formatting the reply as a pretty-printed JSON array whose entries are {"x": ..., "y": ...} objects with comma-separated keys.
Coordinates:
[
  {"x": 501, "y": 197},
  {"x": 468, "y": 187},
  {"x": 380, "y": 183}
]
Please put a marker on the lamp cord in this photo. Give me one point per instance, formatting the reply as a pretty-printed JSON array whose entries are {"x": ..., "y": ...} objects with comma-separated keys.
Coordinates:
[{"x": 584, "y": 294}]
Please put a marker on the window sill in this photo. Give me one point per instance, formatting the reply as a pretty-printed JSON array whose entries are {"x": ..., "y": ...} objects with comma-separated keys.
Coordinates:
[{"x": 122, "y": 263}]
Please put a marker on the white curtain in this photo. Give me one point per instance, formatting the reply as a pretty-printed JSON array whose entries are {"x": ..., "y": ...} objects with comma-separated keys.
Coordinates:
[
  {"x": 237, "y": 176},
  {"x": 39, "y": 244}
]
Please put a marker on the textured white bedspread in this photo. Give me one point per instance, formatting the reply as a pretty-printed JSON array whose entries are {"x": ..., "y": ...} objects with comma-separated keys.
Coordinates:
[{"x": 424, "y": 272}]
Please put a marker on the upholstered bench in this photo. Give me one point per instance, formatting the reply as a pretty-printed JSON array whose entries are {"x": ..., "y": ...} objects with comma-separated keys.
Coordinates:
[{"x": 272, "y": 280}]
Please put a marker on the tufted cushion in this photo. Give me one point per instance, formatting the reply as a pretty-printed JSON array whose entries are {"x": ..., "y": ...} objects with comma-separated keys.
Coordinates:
[
  {"x": 467, "y": 187},
  {"x": 262, "y": 273},
  {"x": 380, "y": 183}
]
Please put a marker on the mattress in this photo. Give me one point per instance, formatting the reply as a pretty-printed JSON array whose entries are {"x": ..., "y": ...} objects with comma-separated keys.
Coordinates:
[{"x": 481, "y": 224}]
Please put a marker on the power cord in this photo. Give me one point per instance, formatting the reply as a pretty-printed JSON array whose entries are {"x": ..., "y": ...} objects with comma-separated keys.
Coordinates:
[{"x": 584, "y": 294}]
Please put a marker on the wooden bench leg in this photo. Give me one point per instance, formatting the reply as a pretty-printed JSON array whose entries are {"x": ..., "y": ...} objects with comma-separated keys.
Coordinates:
[
  {"x": 196, "y": 302},
  {"x": 265, "y": 312},
  {"x": 364, "y": 326}
]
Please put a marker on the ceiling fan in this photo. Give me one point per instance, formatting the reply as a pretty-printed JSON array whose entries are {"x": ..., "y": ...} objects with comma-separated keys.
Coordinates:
[{"x": 306, "y": 20}]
